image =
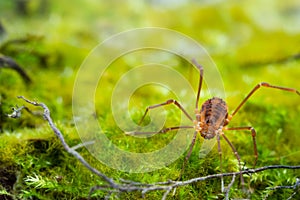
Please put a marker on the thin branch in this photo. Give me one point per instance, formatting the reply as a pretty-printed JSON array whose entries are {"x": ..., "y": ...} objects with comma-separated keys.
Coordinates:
[
  {"x": 297, "y": 184},
  {"x": 166, "y": 193},
  {"x": 82, "y": 145},
  {"x": 294, "y": 193},
  {"x": 7, "y": 62},
  {"x": 228, "y": 187},
  {"x": 65, "y": 145},
  {"x": 113, "y": 187},
  {"x": 17, "y": 112},
  {"x": 294, "y": 187}
]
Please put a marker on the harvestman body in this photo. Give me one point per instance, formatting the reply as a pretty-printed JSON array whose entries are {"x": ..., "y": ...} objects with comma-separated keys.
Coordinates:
[{"x": 212, "y": 119}]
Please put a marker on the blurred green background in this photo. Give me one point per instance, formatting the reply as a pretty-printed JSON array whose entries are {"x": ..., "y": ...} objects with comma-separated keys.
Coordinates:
[{"x": 250, "y": 41}]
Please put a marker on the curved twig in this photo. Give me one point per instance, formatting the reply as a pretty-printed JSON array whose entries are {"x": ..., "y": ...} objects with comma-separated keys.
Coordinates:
[
  {"x": 7, "y": 62},
  {"x": 128, "y": 186},
  {"x": 65, "y": 145},
  {"x": 228, "y": 187}
]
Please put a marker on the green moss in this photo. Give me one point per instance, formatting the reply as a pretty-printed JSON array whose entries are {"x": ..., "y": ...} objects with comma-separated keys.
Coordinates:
[{"x": 33, "y": 163}]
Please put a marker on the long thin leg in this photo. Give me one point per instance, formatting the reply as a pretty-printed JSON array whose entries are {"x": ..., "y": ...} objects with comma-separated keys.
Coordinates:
[
  {"x": 170, "y": 101},
  {"x": 256, "y": 88},
  {"x": 200, "y": 81},
  {"x": 236, "y": 155},
  {"x": 253, "y": 138},
  {"x": 188, "y": 155},
  {"x": 221, "y": 164},
  {"x": 165, "y": 130}
]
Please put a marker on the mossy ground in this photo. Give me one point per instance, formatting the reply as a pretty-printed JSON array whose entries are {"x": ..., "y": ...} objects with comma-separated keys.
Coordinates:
[{"x": 33, "y": 163}]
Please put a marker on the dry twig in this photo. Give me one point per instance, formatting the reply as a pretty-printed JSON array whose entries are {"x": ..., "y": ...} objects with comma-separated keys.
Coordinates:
[
  {"x": 8, "y": 62},
  {"x": 116, "y": 187}
]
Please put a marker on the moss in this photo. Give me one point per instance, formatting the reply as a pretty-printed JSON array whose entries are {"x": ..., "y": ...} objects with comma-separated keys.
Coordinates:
[{"x": 34, "y": 165}]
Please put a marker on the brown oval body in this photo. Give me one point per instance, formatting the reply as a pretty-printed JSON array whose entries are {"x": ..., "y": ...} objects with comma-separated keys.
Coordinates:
[{"x": 213, "y": 116}]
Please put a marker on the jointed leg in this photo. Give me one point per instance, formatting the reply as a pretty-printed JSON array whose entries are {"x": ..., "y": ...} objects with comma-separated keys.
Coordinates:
[
  {"x": 188, "y": 155},
  {"x": 256, "y": 88},
  {"x": 200, "y": 81},
  {"x": 221, "y": 164},
  {"x": 165, "y": 130},
  {"x": 253, "y": 138},
  {"x": 170, "y": 101},
  {"x": 235, "y": 153}
]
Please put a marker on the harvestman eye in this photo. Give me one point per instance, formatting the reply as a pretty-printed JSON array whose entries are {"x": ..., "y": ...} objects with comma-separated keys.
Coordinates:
[{"x": 212, "y": 120}]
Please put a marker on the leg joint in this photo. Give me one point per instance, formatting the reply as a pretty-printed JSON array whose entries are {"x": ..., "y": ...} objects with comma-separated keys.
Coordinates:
[
  {"x": 264, "y": 84},
  {"x": 253, "y": 131},
  {"x": 171, "y": 101}
]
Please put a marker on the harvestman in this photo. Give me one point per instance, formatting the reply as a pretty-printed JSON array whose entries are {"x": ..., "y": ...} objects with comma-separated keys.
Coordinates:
[{"x": 212, "y": 119}]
